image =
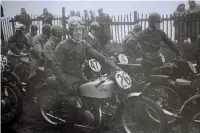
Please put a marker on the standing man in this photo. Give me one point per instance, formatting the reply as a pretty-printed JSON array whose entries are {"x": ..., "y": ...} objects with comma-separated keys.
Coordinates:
[
  {"x": 105, "y": 33},
  {"x": 46, "y": 17},
  {"x": 150, "y": 40},
  {"x": 193, "y": 26},
  {"x": 197, "y": 54},
  {"x": 72, "y": 13},
  {"x": 130, "y": 46},
  {"x": 24, "y": 19},
  {"x": 93, "y": 36},
  {"x": 179, "y": 25}
]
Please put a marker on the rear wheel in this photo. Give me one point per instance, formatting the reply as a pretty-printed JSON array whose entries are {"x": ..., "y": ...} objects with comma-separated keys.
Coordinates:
[
  {"x": 11, "y": 104},
  {"x": 191, "y": 121},
  {"x": 133, "y": 119}
]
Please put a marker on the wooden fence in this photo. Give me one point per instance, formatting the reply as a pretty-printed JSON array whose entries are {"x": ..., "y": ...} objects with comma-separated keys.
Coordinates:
[{"x": 120, "y": 25}]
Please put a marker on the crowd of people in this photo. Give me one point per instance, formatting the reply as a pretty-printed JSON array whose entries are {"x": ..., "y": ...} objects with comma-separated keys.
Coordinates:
[
  {"x": 185, "y": 24},
  {"x": 63, "y": 58}
]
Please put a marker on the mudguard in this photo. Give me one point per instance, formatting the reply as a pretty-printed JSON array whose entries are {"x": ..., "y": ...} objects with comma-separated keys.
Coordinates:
[{"x": 190, "y": 102}]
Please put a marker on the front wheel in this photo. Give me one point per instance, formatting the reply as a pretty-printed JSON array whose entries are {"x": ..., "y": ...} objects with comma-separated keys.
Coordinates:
[
  {"x": 168, "y": 99},
  {"x": 11, "y": 104},
  {"x": 131, "y": 116},
  {"x": 191, "y": 121}
]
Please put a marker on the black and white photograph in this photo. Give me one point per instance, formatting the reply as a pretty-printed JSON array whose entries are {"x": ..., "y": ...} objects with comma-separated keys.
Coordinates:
[{"x": 100, "y": 66}]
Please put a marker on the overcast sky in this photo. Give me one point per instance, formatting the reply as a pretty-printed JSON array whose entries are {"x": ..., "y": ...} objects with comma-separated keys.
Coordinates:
[{"x": 11, "y": 8}]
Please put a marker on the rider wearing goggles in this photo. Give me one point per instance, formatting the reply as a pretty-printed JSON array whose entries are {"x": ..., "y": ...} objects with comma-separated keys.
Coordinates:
[{"x": 69, "y": 56}]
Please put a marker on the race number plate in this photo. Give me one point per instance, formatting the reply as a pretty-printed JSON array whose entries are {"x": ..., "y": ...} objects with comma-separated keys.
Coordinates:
[
  {"x": 3, "y": 62},
  {"x": 94, "y": 65},
  {"x": 123, "y": 59},
  {"x": 123, "y": 79}
]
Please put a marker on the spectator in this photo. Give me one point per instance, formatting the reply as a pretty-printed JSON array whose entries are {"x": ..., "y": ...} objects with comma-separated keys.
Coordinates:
[
  {"x": 193, "y": 7},
  {"x": 197, "y": 54},
  {"x": 78, "y": 14},
  {"x": 24, "y": 19},
  {"x": 93, "y": 35},
  {"x": 105, "y": 32},
  {"x": 193, "y": 26},
  {"x": 31, "y": 34},
  {"x": 131, "y": 47},
  {"x": 46, "y": 17},
  {"x": 92, "y": 14},
  {"x": 179, "y": 24},
  {"x": 72, "y": 13},
  {"x": 2, "y": 15}
]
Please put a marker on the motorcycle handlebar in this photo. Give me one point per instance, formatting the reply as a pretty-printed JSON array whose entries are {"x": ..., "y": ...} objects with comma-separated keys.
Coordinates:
[{"x": 107, "y": 77}]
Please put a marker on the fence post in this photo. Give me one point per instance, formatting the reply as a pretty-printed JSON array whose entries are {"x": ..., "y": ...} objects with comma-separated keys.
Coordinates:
[
  {"x": 64, "y": 21},
  {"x": 135, "y": 17},
  {"x": 13, "y": 25}
]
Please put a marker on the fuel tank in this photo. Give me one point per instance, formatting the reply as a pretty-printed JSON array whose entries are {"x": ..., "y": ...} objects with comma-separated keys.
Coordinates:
[{"x": 105, "y": 90}]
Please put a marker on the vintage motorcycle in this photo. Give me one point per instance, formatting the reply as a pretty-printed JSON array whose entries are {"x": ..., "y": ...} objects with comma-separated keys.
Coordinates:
[
  {"x": 11, "y": 98},
  {"x": 19, "y": 75},
  {"x": 171, "y": 95},
  {"x": 106, "y": 100}
]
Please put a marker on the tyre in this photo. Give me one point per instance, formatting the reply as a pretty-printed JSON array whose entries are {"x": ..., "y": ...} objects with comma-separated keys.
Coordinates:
[
  {"x": 168, "y": 99},
  {"x": 11, "y": 104},
  {"x": 191, "y": 121},
  {"x": 50, "y": 105},
  {"x": 135, "y": 113}
]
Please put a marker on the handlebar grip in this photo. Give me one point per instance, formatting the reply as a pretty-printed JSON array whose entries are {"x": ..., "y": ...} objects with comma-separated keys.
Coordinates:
[{"x": 101, "y": 82}]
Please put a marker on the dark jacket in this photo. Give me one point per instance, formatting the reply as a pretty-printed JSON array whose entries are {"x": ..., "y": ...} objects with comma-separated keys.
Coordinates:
[
  {"x": 46, "y": 18},
  {"x": 48, "y": 51},
  {"x": 24, "y": 19},
  {"x": 197, "y": 53},
  {"x": 93, "y": 41},
  {"x": 68, "y": 59},
  {"x": 130, "y": 45},
  {"x": 17, "y": 44},
  {"x": 150, "y": 40},
  {"x": 105, "y": 32},
  {"x": 38, "y": 43},
  {"x": 2, "y": 14},
  {"x": 29, "y": 37}
]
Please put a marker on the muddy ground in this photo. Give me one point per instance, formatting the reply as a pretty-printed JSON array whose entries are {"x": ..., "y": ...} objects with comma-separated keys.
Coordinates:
[{"x": 31, "y": 121}]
